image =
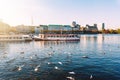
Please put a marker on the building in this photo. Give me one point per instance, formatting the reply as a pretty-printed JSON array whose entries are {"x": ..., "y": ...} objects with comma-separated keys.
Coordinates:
[
  {"x": 25, "y": 29},
  {"x": 4, "y": 28},
  {"x": 75, "y": 26},
  {"x": 103, "y": 26},
  {"x": 55, "y": 27},
  {"x": 67, "y": 27},
  {"x": 40, "y": 29},
  {"x": 92, "y": 29}
]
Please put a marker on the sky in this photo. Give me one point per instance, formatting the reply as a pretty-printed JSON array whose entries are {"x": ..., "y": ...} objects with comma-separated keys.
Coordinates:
[{"x": 36, "y": 12}]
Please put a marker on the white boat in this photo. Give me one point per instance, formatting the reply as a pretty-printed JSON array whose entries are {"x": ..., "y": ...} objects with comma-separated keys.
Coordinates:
[
  {"x": 15, "y": 38},
  {"x": 58, "y": 37}
]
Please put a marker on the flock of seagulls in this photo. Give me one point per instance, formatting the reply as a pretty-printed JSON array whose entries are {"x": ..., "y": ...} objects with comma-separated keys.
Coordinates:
[
  {"x": 49, "y": 54},
  {"x": 37, "y": 68}
]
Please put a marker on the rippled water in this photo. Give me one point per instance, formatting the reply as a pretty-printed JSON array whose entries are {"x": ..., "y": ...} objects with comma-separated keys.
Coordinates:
[{"x": 94, "y": 57}]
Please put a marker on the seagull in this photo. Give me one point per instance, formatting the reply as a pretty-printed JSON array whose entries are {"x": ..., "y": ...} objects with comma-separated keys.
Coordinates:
[
  {"x": 91, "y": 76},
  {"x": 21, "y": 52},
  {"x": 36, "y": 69},
  {"x": 70, "y": 54},
  {"x": 85, "y": 57},
  {"x": 71, "y": 72},
  {"x": 31, "y": 57},
  {"x": 36, "y": 56},
  {"x": 51, "y": 47},
  {"x": 48, "y": 63},
  {"x": 20, "y": 67},
  {"x": 56, "y": 67},
  {"x": 50, "y": 54},
  {"x": 60, "y": 63},
  {"x": 70, "y": 78}
]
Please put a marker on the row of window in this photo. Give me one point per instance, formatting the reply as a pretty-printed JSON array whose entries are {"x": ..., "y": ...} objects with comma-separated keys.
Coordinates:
[
  {"x": 10, "y": 37},
  {"x": 59, "y": 36}
]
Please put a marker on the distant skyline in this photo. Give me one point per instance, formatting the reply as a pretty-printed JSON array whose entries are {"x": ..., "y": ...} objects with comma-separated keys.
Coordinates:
[{"x": 17, "y": 12}]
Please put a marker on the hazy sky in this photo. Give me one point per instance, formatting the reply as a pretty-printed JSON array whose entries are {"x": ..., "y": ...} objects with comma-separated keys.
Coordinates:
[{"x": 15, "y": 12}]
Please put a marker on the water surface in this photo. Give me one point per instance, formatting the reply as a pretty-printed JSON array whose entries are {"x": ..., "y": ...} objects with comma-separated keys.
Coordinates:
[{"x": 56, "y": 59}]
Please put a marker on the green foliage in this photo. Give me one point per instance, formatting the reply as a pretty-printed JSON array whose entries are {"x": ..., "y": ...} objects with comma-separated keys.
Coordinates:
[
  {"x": 118, "y": 31},
  {"x": 32, "y": 29}
]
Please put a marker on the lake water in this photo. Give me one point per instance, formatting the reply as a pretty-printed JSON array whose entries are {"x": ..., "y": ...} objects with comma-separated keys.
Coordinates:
[{"x": 94, "y": 57}]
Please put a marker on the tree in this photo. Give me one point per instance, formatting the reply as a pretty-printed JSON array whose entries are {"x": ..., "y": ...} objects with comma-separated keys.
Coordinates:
[
  {"x": 32, "y": 29},
  {"x": 118, "y": 31},
  {"x": 13, "y": 29}
]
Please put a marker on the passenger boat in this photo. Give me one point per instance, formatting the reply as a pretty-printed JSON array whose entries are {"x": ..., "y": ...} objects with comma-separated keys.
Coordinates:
[
  {"x": 58, "y": 37},
  {"x": 15, "y": 38}
]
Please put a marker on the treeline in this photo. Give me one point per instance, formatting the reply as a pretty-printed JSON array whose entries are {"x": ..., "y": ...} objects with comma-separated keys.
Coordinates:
[{"x": 110, "y": 31}]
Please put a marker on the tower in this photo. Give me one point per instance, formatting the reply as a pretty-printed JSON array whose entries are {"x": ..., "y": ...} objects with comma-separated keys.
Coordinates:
[
  {"x": 31, "y": 21},
  {"x": 103, "y": 26},
  {"x": 73, "y": 24}
]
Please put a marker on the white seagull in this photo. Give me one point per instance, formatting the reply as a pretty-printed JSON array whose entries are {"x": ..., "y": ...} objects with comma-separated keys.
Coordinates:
[
  {"x": 91, "y": 76},
  {"x": 36, "y": 69},
  {"x": 60, "y": 63},
  {"x": 71, "y": 72},
  {"x": 20, "y": 67},
  {"x": 56, "y": 67},
  {"x": 70, "y": 78}
]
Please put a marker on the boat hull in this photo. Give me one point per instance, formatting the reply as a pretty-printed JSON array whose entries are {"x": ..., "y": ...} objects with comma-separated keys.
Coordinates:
[{"x": 56, "y": 39}]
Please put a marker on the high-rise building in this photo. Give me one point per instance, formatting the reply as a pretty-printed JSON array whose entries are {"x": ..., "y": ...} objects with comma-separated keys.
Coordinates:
[{"x": 103, "y": 26}]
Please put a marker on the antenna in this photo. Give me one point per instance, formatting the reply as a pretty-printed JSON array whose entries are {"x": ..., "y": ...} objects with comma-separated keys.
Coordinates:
[{"x": 32, "y": 20}]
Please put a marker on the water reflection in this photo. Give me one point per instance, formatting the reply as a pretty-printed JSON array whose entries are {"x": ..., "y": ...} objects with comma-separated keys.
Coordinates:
[
  {"x": 55, "y": 43},
  {"x": 93, "y": 38}
]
